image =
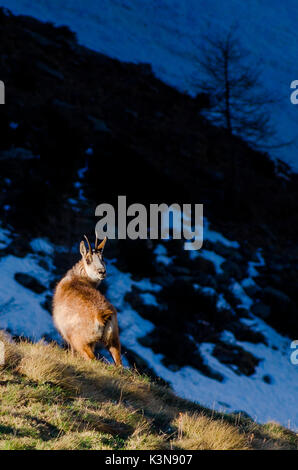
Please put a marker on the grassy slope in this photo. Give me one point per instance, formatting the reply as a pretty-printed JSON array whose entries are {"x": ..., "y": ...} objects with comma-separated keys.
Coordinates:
[{"x": 51, "y": 400}]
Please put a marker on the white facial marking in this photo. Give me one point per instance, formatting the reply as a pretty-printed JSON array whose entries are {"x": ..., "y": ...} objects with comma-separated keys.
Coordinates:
[{"x": 96, "y": 270}]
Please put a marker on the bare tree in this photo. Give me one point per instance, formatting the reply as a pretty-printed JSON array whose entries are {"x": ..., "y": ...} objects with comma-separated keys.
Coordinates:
[{"x": 239, "y": 102}]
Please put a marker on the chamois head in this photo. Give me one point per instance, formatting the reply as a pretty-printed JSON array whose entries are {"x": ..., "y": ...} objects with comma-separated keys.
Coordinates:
[{"x": 93, "y": 260}]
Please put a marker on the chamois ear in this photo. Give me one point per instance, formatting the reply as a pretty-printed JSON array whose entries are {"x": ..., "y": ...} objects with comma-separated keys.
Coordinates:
[
  {"x": 101, "y": 246},
  {"x": 83, "y": 250}
]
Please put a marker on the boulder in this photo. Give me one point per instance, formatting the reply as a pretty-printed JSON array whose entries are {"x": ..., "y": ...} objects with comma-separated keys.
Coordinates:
[
  {"x": 241, "y": 361},
  {"x": 232, "y": 269},
  {"x": 30, "y": 282},
  {"x": 261, "y": 310},
  {"x": 272, "y": 295}
]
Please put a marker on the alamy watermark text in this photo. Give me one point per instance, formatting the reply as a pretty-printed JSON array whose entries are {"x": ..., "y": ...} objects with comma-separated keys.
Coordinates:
[{"x": 135, "y": 222}]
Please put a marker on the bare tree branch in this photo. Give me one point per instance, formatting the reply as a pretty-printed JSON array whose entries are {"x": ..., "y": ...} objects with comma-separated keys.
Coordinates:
[{"x": 238, "y": 100}]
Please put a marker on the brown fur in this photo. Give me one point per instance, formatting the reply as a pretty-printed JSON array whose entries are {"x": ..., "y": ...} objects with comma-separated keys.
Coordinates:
[{"x": 84, "y": 316}]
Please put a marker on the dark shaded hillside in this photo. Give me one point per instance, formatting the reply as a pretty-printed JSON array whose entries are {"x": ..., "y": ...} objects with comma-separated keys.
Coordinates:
[
  {"x": 66, "y": 99},
  {"x": 149, "y": 142}
]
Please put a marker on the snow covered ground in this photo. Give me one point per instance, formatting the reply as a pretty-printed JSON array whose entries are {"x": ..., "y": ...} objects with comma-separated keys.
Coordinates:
[
  {"x": 21, "y": 312},
  {"x": 262, "y": 401},
  {"x": 166, "y": 34}
]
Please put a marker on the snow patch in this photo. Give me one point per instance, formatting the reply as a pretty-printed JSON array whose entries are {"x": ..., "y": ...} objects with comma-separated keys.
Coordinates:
[
  {"x": 214, "y": 236},
  {"x": 162, "y": 255},
  {"x": 20, "y": 308},
  {"x": 42, "y": 245},
  {"x": 148, "y": 299}
]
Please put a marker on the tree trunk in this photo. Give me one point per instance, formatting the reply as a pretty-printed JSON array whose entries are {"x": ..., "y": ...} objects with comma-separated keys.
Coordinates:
[{"x": 227, "y": 95}]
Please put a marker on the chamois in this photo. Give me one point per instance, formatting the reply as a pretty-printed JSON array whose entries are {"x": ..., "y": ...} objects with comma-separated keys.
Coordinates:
[{"x": 81, "y": 313}]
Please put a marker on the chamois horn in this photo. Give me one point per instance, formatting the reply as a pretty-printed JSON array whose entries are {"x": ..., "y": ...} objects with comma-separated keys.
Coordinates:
[
  {"x": 101, "y": 245},
  {"x": 89, "y": 246}
]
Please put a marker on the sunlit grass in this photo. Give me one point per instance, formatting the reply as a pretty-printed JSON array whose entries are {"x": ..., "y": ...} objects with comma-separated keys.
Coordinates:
[{"x": 50, "y": 399}]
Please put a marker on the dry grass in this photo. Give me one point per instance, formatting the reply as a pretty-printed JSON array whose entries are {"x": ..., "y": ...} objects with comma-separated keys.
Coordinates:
[
  {"x": 12, "y": 355},
  {"x": 198, "y": 431},
  {"x": 40, "y": 363},
  {"x": 50, "y": 399}
]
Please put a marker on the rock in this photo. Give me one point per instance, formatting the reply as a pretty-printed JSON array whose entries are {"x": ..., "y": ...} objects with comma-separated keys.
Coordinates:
[
  {"x": 274, "y": 266},
  {"x": 185, "y": 352},
  {"x": 216, "y": 176},
  {"x": 277, "y": 280},
  {"x": 252, "y": 291},
  {"x": 185, "y": 279},
  {"x": 272, "y": 295},
  {"x": 132, "y": 251},
  {"x": 242, "y": 362},
  {"x": 43, "y": 264},
  {"x": 47, "y": 304},
  {"x": 242, "y": 414},
  {"x": 242, "y": 312},
  {"x": 232, "y": 269},
  {"x": 261, "y": 310},
  {"x": 173, "y": 367},
  {"x": 244, "y": 333},
  {"x": 30, "y": 282},
  {"x": 18, "y": 154},
  {"x": 227, "y": 252},
  {"x": 267, "y": 379},
  {"x": 179, "y": 270},
  {"x": 98, "y": 124},
  {"x": 49, "y": 70},
  {"x": 204, "y": 266},
  {"x": 62, "y": 104},
  {"x": 164, "y": 281},
  {"x": 228, "y": 295},
  {"x": 19, "y": 247},
  {"x": 283, "y": 307},
  {"x": 205, "y": 280}
]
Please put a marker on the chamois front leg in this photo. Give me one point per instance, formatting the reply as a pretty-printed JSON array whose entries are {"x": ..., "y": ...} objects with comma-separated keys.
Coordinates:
[
  {"x": 115, "y": 351},
  {"x": 85, "y": 350}
]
